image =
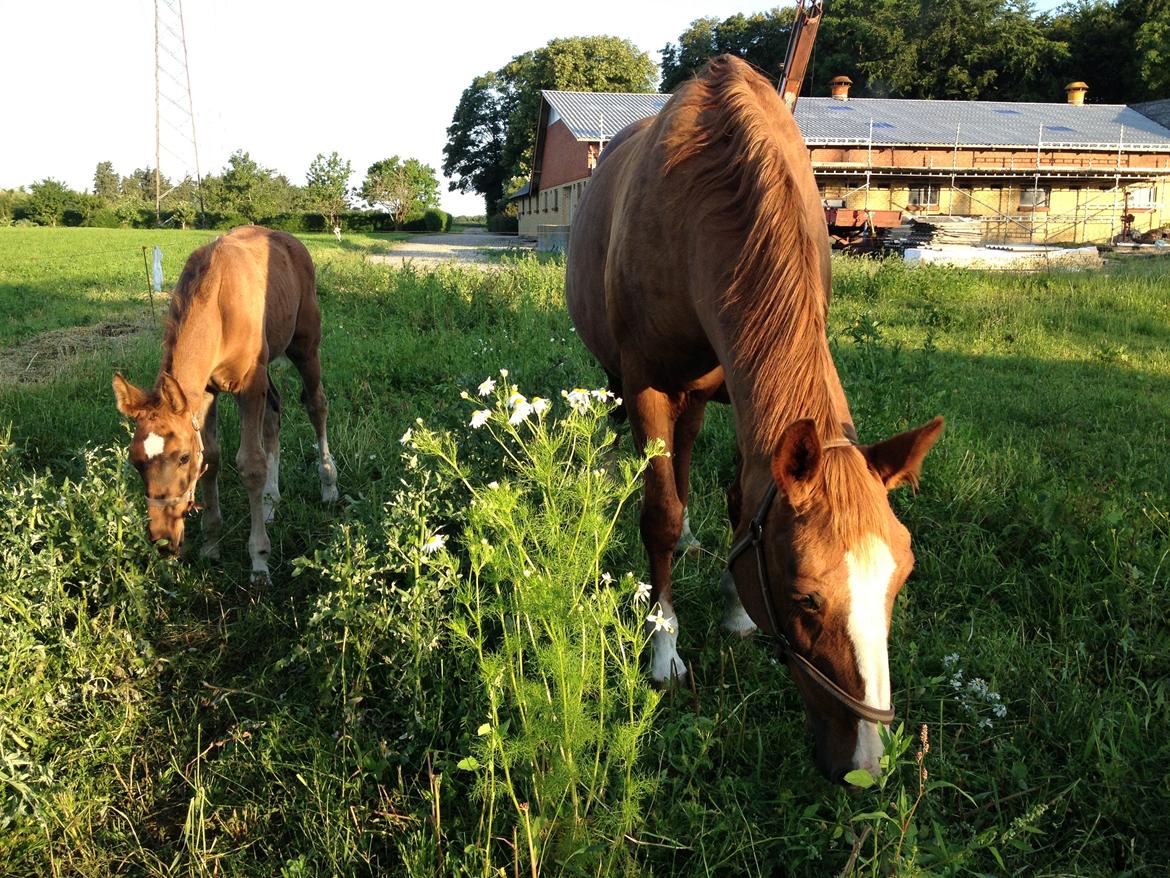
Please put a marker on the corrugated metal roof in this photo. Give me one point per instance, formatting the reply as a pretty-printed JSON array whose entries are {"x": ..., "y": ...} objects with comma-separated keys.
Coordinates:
[
  {"x": 1159, "y": 111},
  {"x": 825, "y": 121},
  {"x": 601, "y": 115}
]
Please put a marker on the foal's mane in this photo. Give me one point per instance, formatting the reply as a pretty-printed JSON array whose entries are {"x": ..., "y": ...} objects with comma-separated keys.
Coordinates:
[
  {"x": 190, "y": 287},
  {"x": 725, "y": 149}
]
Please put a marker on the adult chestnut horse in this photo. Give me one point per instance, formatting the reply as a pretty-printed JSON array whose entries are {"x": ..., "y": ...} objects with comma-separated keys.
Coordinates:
[
  {"x": 698, "y": 267},
  {"x": 242, "y": 301}
]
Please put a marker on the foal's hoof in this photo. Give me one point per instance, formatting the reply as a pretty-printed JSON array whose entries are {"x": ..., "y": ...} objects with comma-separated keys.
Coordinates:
[
  {"x": 329, "y": 494},
  {"x": 687, "y": 545},
  {"x": 210, "y": 551}
]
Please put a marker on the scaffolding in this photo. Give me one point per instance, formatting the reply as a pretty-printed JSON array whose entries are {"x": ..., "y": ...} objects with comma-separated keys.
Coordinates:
[{"x": 1109, "y": 166}]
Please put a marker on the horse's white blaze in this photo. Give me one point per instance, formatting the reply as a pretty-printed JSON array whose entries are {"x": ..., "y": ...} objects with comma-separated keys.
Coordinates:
[
  {"x": 871, "y": 567},
  {"x": 153, "y": 445},
  {"x": 665, "y": 662}
]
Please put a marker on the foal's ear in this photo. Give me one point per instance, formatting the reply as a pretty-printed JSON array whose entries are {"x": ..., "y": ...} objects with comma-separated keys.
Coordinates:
[
  {"x": 172, "y": 394},
  {"x": 129, "y": 399},
  {"x": 796, "y": 465},
  {"x": 898, "y": 460}
]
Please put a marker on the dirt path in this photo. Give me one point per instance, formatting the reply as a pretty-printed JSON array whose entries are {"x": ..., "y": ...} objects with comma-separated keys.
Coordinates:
[{"x": 471, "y": 247}]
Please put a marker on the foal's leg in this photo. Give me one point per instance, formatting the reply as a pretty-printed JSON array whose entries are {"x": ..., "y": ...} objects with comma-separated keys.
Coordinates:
[
  {"x": 212, "y": 519},
  {"x": 652, "y": 416},
  {"x": 271, "y": 452},
  {"x": 313, "y": 396},
  {"x": 252, "y": 463}
]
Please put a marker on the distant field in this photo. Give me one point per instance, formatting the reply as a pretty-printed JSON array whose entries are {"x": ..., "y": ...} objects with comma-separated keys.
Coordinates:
[{"x": 165, "y": 718}]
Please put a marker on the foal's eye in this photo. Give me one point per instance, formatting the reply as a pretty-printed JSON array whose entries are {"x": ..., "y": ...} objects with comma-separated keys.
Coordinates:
[{"x": 186, "y": 458}]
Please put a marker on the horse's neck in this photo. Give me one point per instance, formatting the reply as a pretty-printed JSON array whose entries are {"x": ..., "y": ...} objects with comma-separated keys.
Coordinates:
[
  {"x": 192, "y": 355},
  {"x": 767, "y": 400}
]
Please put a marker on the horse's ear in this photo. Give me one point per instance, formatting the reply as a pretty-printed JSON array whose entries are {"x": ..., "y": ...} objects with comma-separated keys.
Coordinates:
[
  {"x": 796, "y": 465},
  {"x": 129, "y": 399},
  {"x": 898, "y": 460},
  {"x": 172, "y": 394}
]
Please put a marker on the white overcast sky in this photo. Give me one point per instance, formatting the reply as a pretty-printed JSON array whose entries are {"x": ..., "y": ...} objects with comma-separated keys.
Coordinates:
[{"x": 282, "y": 79}]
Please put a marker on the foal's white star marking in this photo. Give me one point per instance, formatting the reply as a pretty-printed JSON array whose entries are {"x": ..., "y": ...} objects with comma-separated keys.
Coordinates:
[
  {"x": 871, "y": 566},
  {"x": 153, "y": 445}
]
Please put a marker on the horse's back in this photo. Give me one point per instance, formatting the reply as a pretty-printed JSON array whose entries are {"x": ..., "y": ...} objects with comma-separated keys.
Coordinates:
[
  {"x": 268, "y": 284},
  {"x": 589, "y": 246}
]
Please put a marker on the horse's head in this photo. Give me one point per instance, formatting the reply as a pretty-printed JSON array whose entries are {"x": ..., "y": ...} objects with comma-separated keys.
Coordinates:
[
  {"x": 167, "y": 451},
  {"x": 834, "y": 557}
]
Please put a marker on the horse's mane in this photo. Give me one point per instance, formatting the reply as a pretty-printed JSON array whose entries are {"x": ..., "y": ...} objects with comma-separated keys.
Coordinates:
[
  {"x": 191, "y": 286},
  {"x": 724, "y": 150}
]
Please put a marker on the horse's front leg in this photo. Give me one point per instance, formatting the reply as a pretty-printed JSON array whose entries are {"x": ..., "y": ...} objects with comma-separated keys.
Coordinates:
[
  {"x": 212, "y": 518},
  {"x": 652, "y": 417},
  {"x": 252, "y": 463}
]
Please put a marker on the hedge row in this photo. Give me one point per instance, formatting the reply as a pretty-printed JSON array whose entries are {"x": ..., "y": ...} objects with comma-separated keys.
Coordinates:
[{"x": 432, "y": 220}]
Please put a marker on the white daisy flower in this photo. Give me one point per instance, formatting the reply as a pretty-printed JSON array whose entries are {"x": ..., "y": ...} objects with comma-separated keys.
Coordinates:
[
  {"x": 435, "y": 543},
  {"x": 540, "y": 405},
  {"x": 487, "y": 387},
  {"x": 521, "y": 412},
  {"x": 661, "y": 622},
  {"x": 479, "y": 418},
  {"x": 406, "y": 437},
  {"x": 641, "y": 593},
  {"x": 606, "y": 578}
]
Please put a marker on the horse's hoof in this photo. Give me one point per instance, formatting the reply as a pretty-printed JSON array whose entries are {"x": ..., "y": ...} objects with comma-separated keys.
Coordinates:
[
  {"x": 688, "y": 547},
  {"x": 210, "y": 551},
  {"x": 739, "y": 623}
]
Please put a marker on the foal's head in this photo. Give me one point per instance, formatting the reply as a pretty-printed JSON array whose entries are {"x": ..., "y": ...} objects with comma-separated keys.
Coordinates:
[
  {"x": 167, "y": 451},
  {"x": 835, "y": 557}
]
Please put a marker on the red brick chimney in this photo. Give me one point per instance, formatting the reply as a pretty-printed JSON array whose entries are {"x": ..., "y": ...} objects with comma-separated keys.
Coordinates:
[
  {"x": 839, "y": 87},
  {"x": 1076, "y": 93}
]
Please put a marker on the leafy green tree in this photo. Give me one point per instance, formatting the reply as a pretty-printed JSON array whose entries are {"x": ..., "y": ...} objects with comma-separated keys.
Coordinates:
[
  {"x": 327, "y": 187},
  {"x": 599, "y": 64},
  {"x": 761, "y": 39},
  {"x": 491, "y": 137},
  {"x": 401, "y": 188},
  {"x": 105, "y": 182},
  {"x": 48, "y": 200},
  {"x": 474, "y": 154},
  {"x": 253, "y": 191}
]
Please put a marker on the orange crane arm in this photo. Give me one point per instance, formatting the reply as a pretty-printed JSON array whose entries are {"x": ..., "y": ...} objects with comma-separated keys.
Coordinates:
[{"x": 800, "y": 45}]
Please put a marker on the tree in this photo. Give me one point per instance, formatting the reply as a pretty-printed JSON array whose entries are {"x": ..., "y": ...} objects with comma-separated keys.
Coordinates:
[
  {"x": 1153, "y": 51},
  {"x": 474, "y": 154},
  {"x": 48, "y": 200},
  {"x": 253, "y": 191},
  {"x": 761, "y": 39},
  {"x": 401, "y": 188},
  {"x": 492, "y": 134},
  {"x": 105, "y": 182},
  {"x": 327, "y": 188}
]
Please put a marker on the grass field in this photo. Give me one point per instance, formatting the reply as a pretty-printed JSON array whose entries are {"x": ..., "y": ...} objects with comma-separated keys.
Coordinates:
[{"x": 378, "y": 710}]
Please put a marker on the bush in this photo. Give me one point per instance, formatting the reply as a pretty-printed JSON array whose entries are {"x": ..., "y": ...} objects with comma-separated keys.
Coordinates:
[
  {"x": 104, "y": 218},
  {"x": 500, "y": 224}
]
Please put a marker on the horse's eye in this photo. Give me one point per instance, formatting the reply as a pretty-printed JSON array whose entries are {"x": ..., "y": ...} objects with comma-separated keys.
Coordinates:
[
  {"x": 186, "y": 458},
  {"x": 807, "y": 602}
]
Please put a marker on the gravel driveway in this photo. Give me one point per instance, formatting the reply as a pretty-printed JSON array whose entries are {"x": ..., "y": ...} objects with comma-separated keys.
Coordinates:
[{"x": 473, "y": 247}]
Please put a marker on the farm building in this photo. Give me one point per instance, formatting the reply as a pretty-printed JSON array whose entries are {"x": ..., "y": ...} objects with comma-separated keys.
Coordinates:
[{"x": 1024, "y": 172}]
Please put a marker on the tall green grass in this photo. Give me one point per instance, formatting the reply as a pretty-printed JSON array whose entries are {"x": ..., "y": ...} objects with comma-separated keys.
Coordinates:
[{"x": 381, "y": 709}]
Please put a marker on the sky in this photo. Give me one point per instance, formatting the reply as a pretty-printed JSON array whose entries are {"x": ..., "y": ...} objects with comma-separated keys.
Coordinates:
[{"x": 283, "y": 79}]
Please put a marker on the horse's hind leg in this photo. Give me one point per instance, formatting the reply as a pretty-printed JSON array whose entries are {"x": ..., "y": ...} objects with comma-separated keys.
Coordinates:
[
  {"x": 313, "y": 396},
  {"x": 271, "y": 452},
  {"x": 212, "y": 518},
  {"x": 735, "y": 617},
  {"x": 686, "y": 428}
]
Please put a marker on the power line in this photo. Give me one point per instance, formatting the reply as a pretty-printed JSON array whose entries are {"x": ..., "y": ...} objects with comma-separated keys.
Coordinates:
[{"x": 174, "y": 108}]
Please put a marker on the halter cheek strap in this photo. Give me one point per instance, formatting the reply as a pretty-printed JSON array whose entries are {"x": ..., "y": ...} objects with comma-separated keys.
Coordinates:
[
  {"x": 187, "y": 496},
  {"x": 754, "y": 539}
]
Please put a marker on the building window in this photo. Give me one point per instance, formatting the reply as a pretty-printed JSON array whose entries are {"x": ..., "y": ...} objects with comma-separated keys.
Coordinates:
[
  {"x": 923, "y": 196},
  {"x": 1141, "y": 198},
  {"x": 1034, "y": 198},
  {"x": 555, "y": 199}
]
